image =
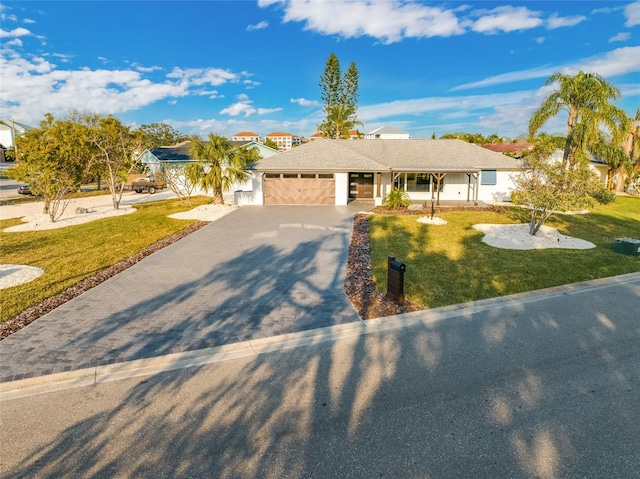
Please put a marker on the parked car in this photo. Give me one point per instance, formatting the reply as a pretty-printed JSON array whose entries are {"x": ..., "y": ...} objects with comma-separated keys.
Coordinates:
[{"x": 24, "y": 190}]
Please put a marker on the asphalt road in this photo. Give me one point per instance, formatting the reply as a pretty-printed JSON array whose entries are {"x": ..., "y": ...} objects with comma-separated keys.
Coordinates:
[{"x": 542, "y": 387}]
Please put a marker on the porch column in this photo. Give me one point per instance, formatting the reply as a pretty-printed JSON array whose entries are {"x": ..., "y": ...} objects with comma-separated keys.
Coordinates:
[
  {"x": 477, "y": 177},
  {"x": 475, "y": 192},
  {"x": 378, "y": 184},
  {"x": 439, "y": 177}
]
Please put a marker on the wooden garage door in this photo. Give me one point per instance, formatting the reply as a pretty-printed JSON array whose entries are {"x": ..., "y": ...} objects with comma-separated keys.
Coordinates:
[{"x": 299, "y": 189}]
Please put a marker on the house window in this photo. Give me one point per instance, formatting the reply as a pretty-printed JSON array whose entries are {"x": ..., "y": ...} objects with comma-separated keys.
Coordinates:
[
  {"x": 489, "y": 177},
  {"x": 272, "y": 175},
  {"x": 326, "y": 175},
  {"x": 290, "y": 175},
  {"x": 418, "y": 182},
  {"x": 308, "y": 175}
]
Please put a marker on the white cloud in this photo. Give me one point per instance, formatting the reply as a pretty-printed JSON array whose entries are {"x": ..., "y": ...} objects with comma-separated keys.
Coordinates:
[
  {"x": 632, "y": 13},
  {"x": 304, "y": 102},
  {"x": 540, "y": 40},
  {"x": 258, "y": 26},
  {"x": 203, "y": 76},
  {"x": 212, "y": 94},
  {"x": 388, "y": 21},
  {"x": 506, "y": 19},
  {"x": 393, "y": 20},
  {"x": 245, "y": 107},
  {"x": 16, "y": 32},
  {"x": 418, "y": 106},
  {"x": 34, "y": 86},
  {"x": 554, "y": 21},
  {"x": 28, "y": 21},
  {"x": 616, "y": 62},
  {"x": 16, "y": 42},
  {"x": 620, "y": 37}
]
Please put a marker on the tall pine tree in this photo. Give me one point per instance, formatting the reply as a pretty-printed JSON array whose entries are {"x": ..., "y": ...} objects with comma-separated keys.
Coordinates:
[{"x": 340, "y": 97}]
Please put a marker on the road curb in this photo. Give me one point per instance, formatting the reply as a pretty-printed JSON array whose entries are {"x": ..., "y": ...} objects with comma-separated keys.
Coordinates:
[{"x": 254, "y": 347}]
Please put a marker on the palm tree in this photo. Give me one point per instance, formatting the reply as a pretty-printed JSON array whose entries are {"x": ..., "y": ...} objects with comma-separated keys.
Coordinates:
[
  {"x": 340, "y": 119},
  {"x": 632, "y": 150},
  {"x": 219, "y": 164},
  {"x": 586, "y": 98}
]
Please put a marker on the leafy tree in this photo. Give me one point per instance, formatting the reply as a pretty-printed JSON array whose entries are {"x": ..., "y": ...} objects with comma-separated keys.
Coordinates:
[
  {"x": 178, "y": 181},
  {"x": 631, "y": 169},
  {"x": 339, "y": 121},
  {"x": 270, "y": 143},
  {"x": 156, "y": 135},
  {"x": 586, "y": 98},
  {"x": 340, "y": 97},
  {"x": 475, "y": 138},
  {"x": 53, "y": 160},
  {"x": 113, "y": 152},
  {"x": 219, "y": 165},
  {"x": 546, "y": 187}
]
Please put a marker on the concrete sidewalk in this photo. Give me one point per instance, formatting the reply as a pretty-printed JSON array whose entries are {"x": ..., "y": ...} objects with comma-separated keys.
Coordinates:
[{"x": 255, "y": 273}]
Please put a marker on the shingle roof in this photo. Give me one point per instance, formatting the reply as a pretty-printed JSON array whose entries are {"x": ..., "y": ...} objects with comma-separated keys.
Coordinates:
[
  {"x": 388, "y": 130},
  {"x": 507, "y": 147},
  {"x": 382, "y": 155},
  {"x": 176, "y": 153}
]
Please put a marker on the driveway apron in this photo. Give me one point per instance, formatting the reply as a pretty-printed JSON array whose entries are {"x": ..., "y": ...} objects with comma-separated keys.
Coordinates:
[{"x": 257, "y": 272}]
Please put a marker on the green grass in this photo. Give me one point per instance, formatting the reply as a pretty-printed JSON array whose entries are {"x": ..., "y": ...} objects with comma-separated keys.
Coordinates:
[
  {"x": 69, "y": 255},
  {"x": 450, "y": 264}
]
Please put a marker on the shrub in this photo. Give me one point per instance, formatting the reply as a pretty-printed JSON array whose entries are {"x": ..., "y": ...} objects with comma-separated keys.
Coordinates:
[{"x": 396, "y": 199}]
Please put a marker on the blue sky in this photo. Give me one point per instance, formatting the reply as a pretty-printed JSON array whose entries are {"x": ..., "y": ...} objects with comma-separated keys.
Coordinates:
[{"x": 226, "y": 67}]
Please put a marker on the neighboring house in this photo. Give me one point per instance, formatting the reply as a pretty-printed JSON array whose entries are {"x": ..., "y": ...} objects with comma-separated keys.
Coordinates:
[
  {"x": 285, "y": 141},
  {"x": 9, "y": 130},
  {"x": 246, "y": 136},
  {"x": 334, "y": 172},
  {"x": 387, "y": 133},
  {"x": 596, "y": 164},
  {"x": 156, "y": 159},
  {"x": 514, "y": 149}
]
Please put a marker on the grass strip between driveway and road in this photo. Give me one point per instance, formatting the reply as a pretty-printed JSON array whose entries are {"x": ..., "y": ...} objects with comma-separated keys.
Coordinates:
[
  {"x": 71, "y": 254},
  {"x": 449, "y": 264}
]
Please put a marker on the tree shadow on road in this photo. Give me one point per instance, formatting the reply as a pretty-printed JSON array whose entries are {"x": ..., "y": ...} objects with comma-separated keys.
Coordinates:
[{"x": 510, "y": 391}]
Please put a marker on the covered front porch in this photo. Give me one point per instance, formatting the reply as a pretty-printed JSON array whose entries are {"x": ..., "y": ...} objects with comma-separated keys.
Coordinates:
[{"x": 462, "y": 186}]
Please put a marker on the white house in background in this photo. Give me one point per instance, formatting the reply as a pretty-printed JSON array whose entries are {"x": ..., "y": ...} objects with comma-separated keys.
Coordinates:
[
  {"x": 9, "y": 130},
  {"x": 596, "y": 164},
  {"x": 334, "y": 172},
  {"x": 285, "y": 141},
  {"x": 387, "y": 133},
  {"x": 246, "y": 136}
]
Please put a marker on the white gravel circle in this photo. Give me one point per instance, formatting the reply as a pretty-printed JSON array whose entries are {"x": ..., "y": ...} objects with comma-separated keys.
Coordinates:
[
  {"x": 518, "y": 237},
  {"x": 15, "y": 274}
]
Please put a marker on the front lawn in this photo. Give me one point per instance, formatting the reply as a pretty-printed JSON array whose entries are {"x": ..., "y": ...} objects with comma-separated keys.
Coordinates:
[
  {"x": 69, "y": 255},
  {"x": 450, "y": 264}
]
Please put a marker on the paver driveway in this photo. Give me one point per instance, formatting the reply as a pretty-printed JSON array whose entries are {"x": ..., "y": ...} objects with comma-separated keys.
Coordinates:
[{"x": 256, "y": 272}]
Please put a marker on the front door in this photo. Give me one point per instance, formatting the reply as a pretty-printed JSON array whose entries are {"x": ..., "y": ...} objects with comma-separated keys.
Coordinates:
[{"x": 360, "y": 185}]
